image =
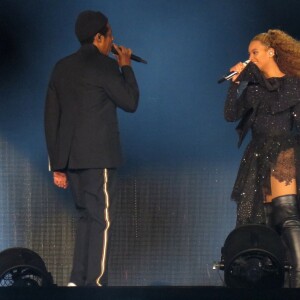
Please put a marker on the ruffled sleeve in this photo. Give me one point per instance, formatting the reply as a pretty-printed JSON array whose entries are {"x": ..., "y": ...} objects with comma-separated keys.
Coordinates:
[
  {"x": 238, "y": 104},
  {"x": 235, "y": 105},
  {"x": 288, "y": 95}
]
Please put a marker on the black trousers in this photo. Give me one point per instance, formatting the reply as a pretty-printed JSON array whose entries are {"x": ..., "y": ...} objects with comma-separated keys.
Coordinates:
[{"x": 93, "y": 194}]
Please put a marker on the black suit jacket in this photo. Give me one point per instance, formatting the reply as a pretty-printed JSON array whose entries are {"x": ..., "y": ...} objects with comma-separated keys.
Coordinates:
[{"x": 81, "y": 123}]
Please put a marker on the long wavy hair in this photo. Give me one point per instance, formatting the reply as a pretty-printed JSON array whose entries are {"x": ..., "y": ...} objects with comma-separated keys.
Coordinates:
[{"x": 287, "y": 50}]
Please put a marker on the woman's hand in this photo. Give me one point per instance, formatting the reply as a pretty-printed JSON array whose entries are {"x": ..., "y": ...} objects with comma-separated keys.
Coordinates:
[{"x": 239, "y": 67}]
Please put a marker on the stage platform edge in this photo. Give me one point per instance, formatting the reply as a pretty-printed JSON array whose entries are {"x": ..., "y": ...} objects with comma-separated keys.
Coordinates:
[{"x": 143, "y": 293}]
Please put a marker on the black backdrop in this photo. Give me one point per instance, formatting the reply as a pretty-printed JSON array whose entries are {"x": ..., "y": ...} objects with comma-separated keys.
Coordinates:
[{"x": 180, "y": 156}]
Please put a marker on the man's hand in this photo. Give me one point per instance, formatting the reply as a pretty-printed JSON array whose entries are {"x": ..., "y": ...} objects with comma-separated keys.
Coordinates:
[
  {"x": 123, "y": 56},
  {"x": 60, "y": 179}
]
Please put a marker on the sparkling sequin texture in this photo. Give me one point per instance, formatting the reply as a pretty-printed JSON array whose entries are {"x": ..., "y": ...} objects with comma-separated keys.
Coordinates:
[{"x": 270, "y": 109}]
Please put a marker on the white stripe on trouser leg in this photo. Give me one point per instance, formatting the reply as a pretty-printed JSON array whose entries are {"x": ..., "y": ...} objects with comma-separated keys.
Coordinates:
[{"x": 107, "y": 220}]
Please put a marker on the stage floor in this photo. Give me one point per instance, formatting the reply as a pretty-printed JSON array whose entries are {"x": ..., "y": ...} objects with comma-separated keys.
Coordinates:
[{"x": 141, "y": 293}]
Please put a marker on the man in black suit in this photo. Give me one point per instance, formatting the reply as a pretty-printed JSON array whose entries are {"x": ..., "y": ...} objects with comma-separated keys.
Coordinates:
[{"x": 82, "y": 137}]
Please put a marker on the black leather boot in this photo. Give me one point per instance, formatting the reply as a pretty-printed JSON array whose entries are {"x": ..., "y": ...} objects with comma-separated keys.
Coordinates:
[
  {"x": 287, "y": 221},
  {"x": 268, "y": 214}
]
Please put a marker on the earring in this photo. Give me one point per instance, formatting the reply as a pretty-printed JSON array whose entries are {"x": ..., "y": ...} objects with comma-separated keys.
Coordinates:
[{"x": 271, "y": 53}]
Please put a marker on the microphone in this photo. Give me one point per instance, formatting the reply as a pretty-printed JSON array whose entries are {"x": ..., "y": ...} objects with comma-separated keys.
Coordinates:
[
  {"x": 229, "y": 75},
  {"x": 133, "y": 57}
]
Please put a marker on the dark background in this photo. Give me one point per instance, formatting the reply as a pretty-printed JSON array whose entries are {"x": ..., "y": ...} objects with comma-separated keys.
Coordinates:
[{"x": 181, "y": 157}]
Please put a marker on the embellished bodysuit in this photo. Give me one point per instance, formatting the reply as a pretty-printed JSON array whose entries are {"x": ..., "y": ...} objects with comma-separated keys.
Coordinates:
[{"x": 270, "y": 108}]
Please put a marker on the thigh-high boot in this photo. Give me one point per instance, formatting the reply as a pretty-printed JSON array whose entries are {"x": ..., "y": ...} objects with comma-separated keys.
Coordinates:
[
  {"x": 287, "y": 221},
  {"x": 268, "y": 214}
]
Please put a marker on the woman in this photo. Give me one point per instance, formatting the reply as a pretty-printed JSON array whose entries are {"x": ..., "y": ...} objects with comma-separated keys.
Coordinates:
[{"x": 265, "y": 97}]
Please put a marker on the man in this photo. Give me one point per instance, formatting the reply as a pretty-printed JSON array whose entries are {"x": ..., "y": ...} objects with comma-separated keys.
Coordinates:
[{"x": 82, "y": 137}]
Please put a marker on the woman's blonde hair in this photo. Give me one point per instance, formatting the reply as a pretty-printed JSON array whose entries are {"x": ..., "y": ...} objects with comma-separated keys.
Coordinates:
[{"x": 287, "y": 50}]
